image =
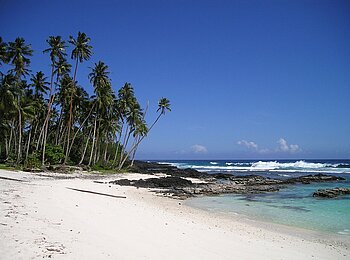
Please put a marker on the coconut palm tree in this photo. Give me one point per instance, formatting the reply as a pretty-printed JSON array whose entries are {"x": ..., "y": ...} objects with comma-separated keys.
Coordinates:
[
  {"x": 65, "y": 90},
  {"x": 82, "y": 51},
  {"x": 4, "y": 58},
  {"x": 163, "y": 106},
  {"x": 39, "y": 84},
  {"x": 57, "y": 52},
  {"x": 8, "y": 108},
  {"x": 19, "y": 53},
  {"x": 62, "y": 68},
  {"x": 104, "y": 97}
]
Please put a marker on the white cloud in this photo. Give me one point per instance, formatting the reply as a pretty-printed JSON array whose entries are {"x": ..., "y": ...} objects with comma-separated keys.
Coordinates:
[
  {"x": 197, "y": 148},
  {"x": 284, "y": 147},
  {"x": 248, "y": 144},
  {"x": 264, "y": 150}
]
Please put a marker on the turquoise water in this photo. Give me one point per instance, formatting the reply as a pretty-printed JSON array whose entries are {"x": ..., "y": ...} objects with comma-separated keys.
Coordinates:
[{"x": 293, "y": 206}]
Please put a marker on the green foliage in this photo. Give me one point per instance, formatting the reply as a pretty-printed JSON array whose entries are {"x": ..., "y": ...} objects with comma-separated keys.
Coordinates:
[
  {"x": 51, "y": 120},
  {"x": 32, "y": 161},
  {"x": 54, "y": 154}
]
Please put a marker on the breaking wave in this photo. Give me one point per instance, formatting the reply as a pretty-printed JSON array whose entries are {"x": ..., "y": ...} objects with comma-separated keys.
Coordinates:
[{"x": 265, "y": 166}]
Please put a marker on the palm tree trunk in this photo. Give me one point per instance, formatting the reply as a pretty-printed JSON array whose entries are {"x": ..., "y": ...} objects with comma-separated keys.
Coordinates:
[
  {"x": 44, "y": 142},
  {"x": 93, "y": 141},
  {"x": 138, "y": 137},
  {"x": 11, "y": 134},
  {"x": 19, "y": 154},
  {"x": 6, "y": 149},
  {"x": 97, "y": 147},
  {"x": 81, "y": 126},
  {"x": 86, "y": 146},
  {"x": 47, "y": 120},
  {"x": 58, "y": 127},
  {"x": 69, "y": 127},
  {"x": 134, "y": 153},
  {"x": 132, "y": 148},
  {"x": 10, "y": 140},
  {"x": 29, "y": 139},
  {"x": 117, "y": 143},
  {"x": 35, "y": 131},
  {"x": 123, "y": 147},
  {"x": 105, "y": 154},
  {"x": 126, "y": 144},
  {"x": 71, "y": 112},
  {"x": 41, "y": 135}
]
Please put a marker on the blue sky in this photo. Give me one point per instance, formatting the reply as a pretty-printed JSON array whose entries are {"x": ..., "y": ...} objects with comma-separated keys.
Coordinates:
[{"x": 246, "y": 79}]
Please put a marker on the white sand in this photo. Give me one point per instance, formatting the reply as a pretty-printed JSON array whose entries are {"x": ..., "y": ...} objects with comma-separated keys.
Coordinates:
[{"x": 43, "y": 219}]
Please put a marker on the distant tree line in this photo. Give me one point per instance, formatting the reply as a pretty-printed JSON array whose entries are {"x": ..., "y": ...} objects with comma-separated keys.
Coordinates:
[{"x": 51, "y": 119}]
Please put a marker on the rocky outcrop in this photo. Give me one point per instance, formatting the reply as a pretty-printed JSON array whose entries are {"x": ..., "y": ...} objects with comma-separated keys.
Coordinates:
[
  {"x": 314, "y": 178},
  {"x": 176, "y": 185},
  {"x": 153, "y": 168},
  {"x": 331, "y": 193},
  {"x": 163, "y": 182}
]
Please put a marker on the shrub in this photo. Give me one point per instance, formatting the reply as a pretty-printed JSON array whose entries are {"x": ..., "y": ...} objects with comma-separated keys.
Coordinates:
[
  {"x": 54, "y": 154},
  {"x": 33, "y": 161}
]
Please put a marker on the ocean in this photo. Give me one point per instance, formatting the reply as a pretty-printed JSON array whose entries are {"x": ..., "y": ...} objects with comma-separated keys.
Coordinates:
[{"x": 292, "y": 206}]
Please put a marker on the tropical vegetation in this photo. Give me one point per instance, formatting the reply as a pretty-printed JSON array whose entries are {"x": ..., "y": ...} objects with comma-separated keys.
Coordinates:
[{"x": 51, "y": 119}]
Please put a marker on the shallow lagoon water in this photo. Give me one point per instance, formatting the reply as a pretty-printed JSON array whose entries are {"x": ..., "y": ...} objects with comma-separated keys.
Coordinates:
[{"x": 292, "y": 206}]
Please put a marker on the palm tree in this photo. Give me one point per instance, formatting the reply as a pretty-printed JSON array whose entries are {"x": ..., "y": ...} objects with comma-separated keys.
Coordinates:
[
  {"x": 8, "y": 108},
  {"x": 126, "y": 98},
  {"x": 104, "y": 96},
  {"x": 39, "y": 84},
  {"x": 62, "y": 67},
  {"x": 82, "y": 51},
  {"x": 140, "y": 131},
  {"x": 57, "y": 52},
  {"x": 4, "y": 58},
  {"x": 163, "y": 106},
  {"x": 18, "y": 53},
  {"x": 104, "y": 124},
  {"x": 28, "y": 109},
  {"x": 62, "y": 70}
]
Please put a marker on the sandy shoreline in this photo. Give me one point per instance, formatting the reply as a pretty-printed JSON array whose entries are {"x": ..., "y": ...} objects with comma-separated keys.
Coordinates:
[{"x": 41, "y": 218}]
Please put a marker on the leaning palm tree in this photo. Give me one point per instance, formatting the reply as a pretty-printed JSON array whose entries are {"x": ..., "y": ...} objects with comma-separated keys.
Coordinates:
[
  {"x": 163, "y": 106},
  {"x": 82, "y": 51},
  {"x": 19, "y": 53}
]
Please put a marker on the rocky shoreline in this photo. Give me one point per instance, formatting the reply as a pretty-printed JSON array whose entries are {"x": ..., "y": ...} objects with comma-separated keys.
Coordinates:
[
  {"x": 176, "y": 183},
  {"x": 332, "y": 193}
]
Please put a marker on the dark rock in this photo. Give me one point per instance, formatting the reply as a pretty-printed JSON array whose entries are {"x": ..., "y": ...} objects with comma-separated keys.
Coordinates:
[
  {"x": 153, "y": 167},
  {"x": 163, "y": 182},
  {"x": 331, "y": 193},
  {"x": 314, "y": 178},
  {"x": 122, "y": 182},
  {"x": 175, "y": 186}
]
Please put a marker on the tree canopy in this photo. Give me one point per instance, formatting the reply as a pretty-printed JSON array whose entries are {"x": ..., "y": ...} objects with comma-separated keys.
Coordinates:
[{"x": 51, "y": 119}]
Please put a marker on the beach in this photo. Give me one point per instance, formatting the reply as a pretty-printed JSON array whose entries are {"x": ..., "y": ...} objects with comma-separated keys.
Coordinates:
[{"x": 47, "y": 216}]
